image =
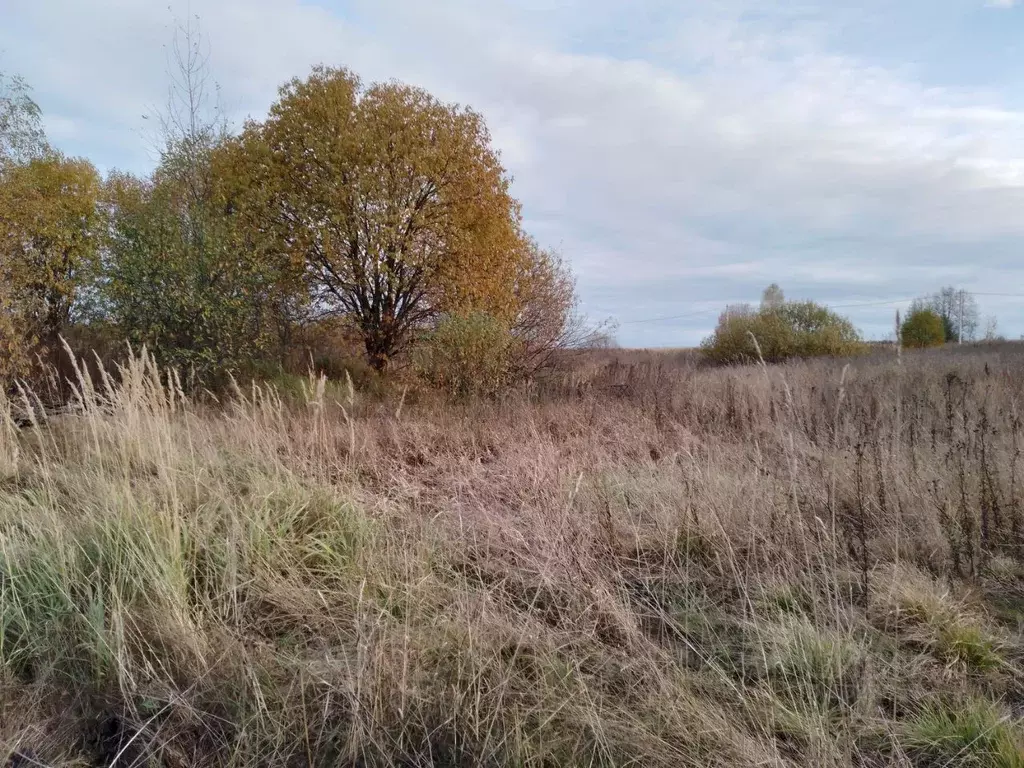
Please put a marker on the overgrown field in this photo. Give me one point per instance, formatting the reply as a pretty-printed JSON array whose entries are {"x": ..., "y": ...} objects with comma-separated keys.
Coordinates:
[{"x": 640, "y": 564}]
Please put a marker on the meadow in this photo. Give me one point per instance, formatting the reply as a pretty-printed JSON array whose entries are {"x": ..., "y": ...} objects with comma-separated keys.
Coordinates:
[{"x": 635, "y": 562}]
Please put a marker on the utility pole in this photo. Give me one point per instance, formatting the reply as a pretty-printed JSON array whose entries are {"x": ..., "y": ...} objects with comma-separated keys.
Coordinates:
[
  {"x": 899, "y": 340},
  {"x": 960, "y": 325}
]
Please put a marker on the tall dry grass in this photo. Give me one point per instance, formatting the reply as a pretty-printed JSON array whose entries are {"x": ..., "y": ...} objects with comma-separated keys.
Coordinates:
[{"x": 642, "y": 563}]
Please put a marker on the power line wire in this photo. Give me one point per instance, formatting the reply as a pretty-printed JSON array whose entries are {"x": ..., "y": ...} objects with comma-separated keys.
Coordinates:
[
  {"x": 670, "y": 317},
  {"x": 830, "y": 306},
  {"x": 870, "y": 303},
  {"x": 716, "y": 309}
]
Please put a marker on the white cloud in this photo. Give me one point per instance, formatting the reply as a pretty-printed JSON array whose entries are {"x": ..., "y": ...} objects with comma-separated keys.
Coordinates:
[{"x": 672, "y": 157}]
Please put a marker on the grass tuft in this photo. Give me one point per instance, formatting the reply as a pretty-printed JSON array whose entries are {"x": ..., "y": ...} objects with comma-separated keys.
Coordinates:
[{"x": 973, "y": 733}]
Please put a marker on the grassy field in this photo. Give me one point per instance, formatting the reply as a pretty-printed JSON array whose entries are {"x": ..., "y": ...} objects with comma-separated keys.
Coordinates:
[{"x": 641, "y": 563}]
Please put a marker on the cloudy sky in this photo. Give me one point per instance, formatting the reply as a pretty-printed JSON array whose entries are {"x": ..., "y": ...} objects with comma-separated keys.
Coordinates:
[{"x": 680, "y": 155}]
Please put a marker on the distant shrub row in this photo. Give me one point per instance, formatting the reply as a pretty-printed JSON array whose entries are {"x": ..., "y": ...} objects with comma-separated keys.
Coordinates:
[{"x": 780, "y": 330}]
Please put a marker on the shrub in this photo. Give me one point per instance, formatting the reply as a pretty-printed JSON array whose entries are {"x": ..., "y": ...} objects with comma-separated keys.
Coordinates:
[
  {"x": 467, "y": 355},
  {"x": 784, "y": 330},
  {"x": 923, "y": 328},
  {"x": 545, "y": 321},
  {"x": 184, "y": 277}
]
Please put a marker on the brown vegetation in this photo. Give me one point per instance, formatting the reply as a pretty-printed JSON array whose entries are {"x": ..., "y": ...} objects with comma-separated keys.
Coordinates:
[{"x": 638, "y": 563}]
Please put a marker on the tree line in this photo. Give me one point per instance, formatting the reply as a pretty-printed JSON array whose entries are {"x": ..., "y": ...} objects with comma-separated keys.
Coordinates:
[
  {"x": 949, "y": 315},
  {"x": 779, "y": 329},
  {"x": 375, "y": 208}
]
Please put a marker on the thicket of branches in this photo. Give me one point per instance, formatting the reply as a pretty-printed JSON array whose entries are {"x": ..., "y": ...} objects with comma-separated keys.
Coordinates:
[{"x": 376, "y": 210}]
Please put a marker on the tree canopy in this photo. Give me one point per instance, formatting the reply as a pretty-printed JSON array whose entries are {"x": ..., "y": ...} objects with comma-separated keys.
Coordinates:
[
  {"x": 49, "y": 215},
  {"x": 377, "y": 207},
  {"x": 392, "y": 203},
  {"x": 185, "y": 271}
]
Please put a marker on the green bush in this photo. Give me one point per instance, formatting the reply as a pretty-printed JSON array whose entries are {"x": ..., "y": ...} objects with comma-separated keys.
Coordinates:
[
  {"x": 467, "y": 355},
  {"x": 185, "y": 272},
  {"x": 783, "y": 330},
  {"x": 923, "y": 328}
]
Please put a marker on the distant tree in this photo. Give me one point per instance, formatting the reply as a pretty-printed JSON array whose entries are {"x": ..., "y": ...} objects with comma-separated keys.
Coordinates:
[
  {"x": 21, "y": 128},
  {"x": 811, "y": 330},
  {"x": 394, "y": 203},
  {"x": 773, "y": 297},
  {"x": 782, "y": 330},
  {"x": 923, "y": 327},
  {"x": 958, "y": 309},
  {"x": 992, "y": 329}
]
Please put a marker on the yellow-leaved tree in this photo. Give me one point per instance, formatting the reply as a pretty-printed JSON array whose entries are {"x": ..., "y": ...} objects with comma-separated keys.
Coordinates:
[
  {"x": 392, "y": 203},
  {"x": 49, "y": 221},
  {"x": 21, "y": 138}
]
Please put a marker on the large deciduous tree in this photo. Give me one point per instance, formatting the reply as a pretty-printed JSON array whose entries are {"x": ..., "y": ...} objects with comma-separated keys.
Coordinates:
[{"x": 393, "y": 203}]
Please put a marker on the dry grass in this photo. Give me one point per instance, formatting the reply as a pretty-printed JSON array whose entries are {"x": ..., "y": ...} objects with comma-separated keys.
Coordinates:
[{"x": 642, "y": 563}]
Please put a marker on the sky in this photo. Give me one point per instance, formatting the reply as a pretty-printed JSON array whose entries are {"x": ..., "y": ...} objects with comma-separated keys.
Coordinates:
[{"x": 679, "y": 155}]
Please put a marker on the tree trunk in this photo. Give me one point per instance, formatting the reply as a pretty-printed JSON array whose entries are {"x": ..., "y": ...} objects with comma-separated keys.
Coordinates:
[{"x": 377, "y": 353}]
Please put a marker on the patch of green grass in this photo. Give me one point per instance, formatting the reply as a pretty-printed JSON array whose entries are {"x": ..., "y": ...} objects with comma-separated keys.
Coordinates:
[
  {"x": 787, "y": 599},
  {"x": 968, "y": 644},
  {"x": 941, "y": 625},
  {"x": 813, "y": 668},
  {"x": 1008, "y": 608},
  {"x": 977, "y": 733}
]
